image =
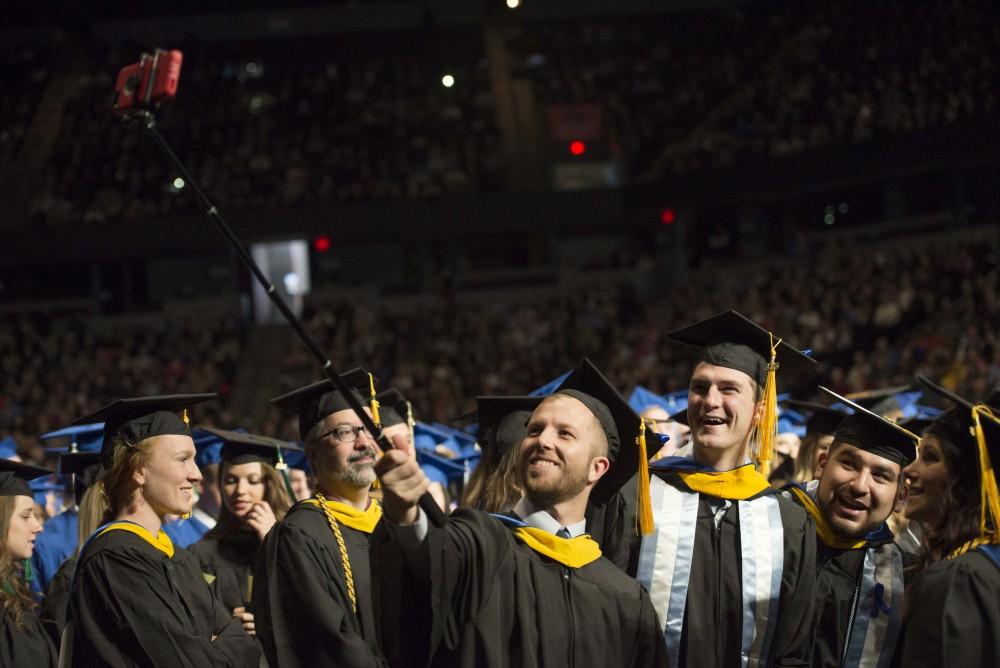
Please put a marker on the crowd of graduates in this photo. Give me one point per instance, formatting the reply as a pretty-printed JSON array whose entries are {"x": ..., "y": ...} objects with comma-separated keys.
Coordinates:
[{"x": 724, "y": 523}]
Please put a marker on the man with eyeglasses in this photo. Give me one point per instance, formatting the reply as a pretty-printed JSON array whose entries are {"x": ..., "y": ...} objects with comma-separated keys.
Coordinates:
[{"x": 312, "y": 590}]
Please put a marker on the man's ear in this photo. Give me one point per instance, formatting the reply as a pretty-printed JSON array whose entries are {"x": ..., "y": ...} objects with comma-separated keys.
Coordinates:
[
  {"x": 598, "y": 467},
  {"x": 824, "y": 457},
  {"x": 904, "y": 492}
]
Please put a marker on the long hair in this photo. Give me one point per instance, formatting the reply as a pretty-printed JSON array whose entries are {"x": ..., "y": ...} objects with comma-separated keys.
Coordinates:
[
  {"x": 805, "y": 463},
  {"x": 274, "y": 493},
  {"x": 14, "y": 594},
  {"x": 90, "y": 515},
  {"x": 502, "y": 487},
  {"x": 116, "y": 488},
  {"x": 960, "y": 505}
]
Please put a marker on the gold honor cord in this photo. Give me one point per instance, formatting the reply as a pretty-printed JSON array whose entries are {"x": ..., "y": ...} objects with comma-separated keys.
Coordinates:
[{"x": 335, "y": 528}]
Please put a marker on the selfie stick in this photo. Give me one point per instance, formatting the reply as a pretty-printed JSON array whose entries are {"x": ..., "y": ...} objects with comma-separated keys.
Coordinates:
[{"x": 427, "y": 502}]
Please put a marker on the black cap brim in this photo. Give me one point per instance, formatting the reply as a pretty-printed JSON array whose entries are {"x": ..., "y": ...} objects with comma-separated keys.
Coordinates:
[
  {"x": 821, "y": 420},
  {"x": 393, "y": 407},
  {"x": 503, "y": 423},
  {"x": 316, "y": 401},
  {"x": 135, "y": 419},
  {"x": 732, "y": 340},
  {"x": 14, "y": 477},
  {"x": 243, "y": 448},
  {"x": 873, "y": 433}
]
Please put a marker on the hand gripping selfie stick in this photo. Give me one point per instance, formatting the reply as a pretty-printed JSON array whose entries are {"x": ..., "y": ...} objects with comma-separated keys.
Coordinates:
[{"x": 142, "y": 113}]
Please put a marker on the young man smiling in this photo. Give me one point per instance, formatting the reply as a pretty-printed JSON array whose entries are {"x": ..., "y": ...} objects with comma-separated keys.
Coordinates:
[
  {"x": 859, "y": 593},
  {"x": 312, "y": 591},
  {"x": 746, "y": 555},
  {"x": 531, "y": 588}
]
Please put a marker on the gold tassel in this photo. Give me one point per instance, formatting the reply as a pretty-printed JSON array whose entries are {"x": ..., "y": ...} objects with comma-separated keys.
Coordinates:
[
  {"x": 184, "y": 416},
  {"x": 644, "y": 509},
  {"x": 989, "y": 494},
  {"x": 767, "y": 428},
  {"x": 374, "y": 401}
]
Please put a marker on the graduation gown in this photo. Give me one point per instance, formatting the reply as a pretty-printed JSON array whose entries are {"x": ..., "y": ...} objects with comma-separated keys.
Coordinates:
[
  {"x": 499, "y": 603},
  {"x": 53, "y": 609},
  {"x": 302, "y": 610},
  {"x": 29, "y": 647},
  {"x": 713, "y": 617},
  {"x": 953, "y": 614},
  {"x": 852, "y": 605},
  {"x": 227, "y": 563},
  {"x": 132, "y": 605}
]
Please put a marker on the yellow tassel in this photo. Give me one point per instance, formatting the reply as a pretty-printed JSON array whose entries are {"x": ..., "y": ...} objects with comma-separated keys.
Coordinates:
[
  {"x": 374, "y": 401},
  {"x": 184, "y": 416},
  {"x": 767, "y": 428},
  {"x": 644, "y": 509},
  {"x": 989, "y": 515}
]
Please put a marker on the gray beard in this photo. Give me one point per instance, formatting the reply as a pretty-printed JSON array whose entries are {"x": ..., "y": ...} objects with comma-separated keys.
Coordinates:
[{"x": 357, "y": 475}]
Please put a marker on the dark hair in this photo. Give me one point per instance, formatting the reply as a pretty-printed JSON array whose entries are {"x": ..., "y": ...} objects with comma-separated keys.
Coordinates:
[
  {"x": 14, "y": 595},
  {"x": 960, "y": 504}
]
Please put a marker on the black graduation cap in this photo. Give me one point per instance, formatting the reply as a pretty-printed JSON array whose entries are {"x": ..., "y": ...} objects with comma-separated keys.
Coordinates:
[
  {"x": 136, "y": 419},
  {"x": 955, "y": 424},
  {"x": 393, "y": 407},
  {"x": 320, "y": 399},
  {"x": 75, "y": 463},
  {"x": 503, "y": 422},
  {"x": 822, "y": 420},
  {"x": 85, "y": 467},
  {"x": 873, "y": 433},
  {"x": 732, "y": 340},
  {"x": 618, "y": 420},
  {"x": 14, "y": 477},
  {"x": 242, "y": 448}
]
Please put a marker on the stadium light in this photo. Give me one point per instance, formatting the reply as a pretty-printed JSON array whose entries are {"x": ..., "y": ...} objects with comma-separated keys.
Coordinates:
[{"x": 447, "y": 81}]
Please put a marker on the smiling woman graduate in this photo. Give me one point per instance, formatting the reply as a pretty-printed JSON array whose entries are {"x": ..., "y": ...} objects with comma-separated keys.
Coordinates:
[
  {"x": 23, "y": 641},
  {"x": 134, "y": 599},
  {"x": 253, "y": 499}
]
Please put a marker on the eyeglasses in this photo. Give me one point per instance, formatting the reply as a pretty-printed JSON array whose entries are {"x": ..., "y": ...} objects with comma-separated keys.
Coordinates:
[{"x": 346, "y": 434}]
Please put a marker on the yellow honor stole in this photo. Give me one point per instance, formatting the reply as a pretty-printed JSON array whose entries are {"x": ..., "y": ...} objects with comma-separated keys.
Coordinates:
[
  {"x": 823, "y": 529},
  {"x": 161, "y": 542},
  {"x": 572, "y": 552},
  {"x": 738, "y": 484},
  {"x": 359, "y": 520}
]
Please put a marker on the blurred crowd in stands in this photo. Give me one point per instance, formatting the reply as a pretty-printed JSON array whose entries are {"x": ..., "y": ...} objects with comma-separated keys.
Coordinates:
[
  {"x": 873, "y": 317},
  {"x": 366, "y": 117}
]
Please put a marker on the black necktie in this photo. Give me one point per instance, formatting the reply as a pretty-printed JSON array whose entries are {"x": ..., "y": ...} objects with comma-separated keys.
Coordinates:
[{"x": 563, "y": 532}]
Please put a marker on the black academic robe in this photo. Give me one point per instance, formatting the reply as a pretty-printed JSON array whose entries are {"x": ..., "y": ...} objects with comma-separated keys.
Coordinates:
[
  {"x": 132, "y": 605},
  {"x": 612, "y": 525},
  {"x": 713, "y": 616},
  {"x": 28, "y": 647},
  {"x": 498, "y": 603},
  {"x": 227, "y": 562},
  {"x": 953, "y": 614},
  {"x": 53, "y": 609},
  {"x": 837, "y": 581},
  {"x": 302, "y": 610}
]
